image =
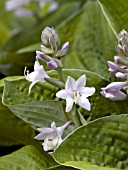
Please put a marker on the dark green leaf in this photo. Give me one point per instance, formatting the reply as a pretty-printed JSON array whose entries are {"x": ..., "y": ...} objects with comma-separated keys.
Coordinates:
[
  {"x": 102, "y": 142},
  {"x": 13, "y": 131},
  {"x": 92, "y": 41}
]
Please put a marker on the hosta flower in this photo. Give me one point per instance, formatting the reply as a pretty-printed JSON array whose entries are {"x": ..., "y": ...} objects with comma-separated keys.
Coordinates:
[
  {"x": 52, "y": 136},
  {"x": 113, "y": 91},
  {"x": 76, "y": 92},
  {"x": 37, "y": 75}
]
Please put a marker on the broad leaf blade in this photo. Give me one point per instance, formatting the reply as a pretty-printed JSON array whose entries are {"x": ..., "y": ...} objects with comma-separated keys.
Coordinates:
[
  {"x": 41, "y": 113},
  {"x": 92, "y": 41},
  {"x": 102, "y": 142},
  {"x": 28, "y": 157},
  {"x": 115, "y": 12},
  {"x": 13, "y": 131}
]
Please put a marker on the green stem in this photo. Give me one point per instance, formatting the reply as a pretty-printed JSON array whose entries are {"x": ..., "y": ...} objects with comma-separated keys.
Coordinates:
[
  {"x": 61, "y": 74},
  {"x": 75, "y": 117}
]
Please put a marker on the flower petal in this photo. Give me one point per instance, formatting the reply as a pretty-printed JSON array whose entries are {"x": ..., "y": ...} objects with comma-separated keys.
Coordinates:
[
  {"x": 84, "y": 102},
  {"x": 87, "y": 91},
  {"x": 81, "y": 82},
  {"x": 32, "y": 84},
  {"x": 115, "y": 86},
  {"x": 116, "y": 96},
  {"x": 62, "y": 94},
  {"x": 37, "y": 65},
  {"x": 69, "y": 104},
  {"x": 70, "y": 84}
]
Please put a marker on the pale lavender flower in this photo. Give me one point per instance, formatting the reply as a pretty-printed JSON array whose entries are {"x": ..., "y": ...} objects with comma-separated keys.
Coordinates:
[
  {"x": 113, "y": 91},
  {"x": 37, "y": 75},
  {"x": 113, "y": 67},
  {"x": 63, "y": 50},
  {"x": 52, "y": 64},
  {"x": 52, "y": 136},
  {"x": 76, "y": 92},
  {"x": 121, "y": 75}
]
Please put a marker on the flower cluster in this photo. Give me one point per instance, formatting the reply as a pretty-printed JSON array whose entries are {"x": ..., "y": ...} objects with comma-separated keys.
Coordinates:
[
  {"x": 20, "y": 10},
  {"x": 74, "y": 92},
  {"x": 120, "y": 69},
  {"x": 49, "y": 50}
]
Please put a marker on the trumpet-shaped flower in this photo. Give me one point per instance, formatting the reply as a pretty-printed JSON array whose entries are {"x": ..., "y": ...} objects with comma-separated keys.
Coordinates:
[
  {"x": 52, "y": 136},
  {"x": 37, "y": 75},
  {"x": 76, "y": 92},
  {"x": 113, "y": 91}
]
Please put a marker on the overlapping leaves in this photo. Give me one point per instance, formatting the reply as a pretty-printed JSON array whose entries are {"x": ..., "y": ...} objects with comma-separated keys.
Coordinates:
[{"x": 102, "y": 142}]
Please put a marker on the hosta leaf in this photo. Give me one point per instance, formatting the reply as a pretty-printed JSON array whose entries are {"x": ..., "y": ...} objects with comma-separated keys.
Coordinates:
[
  {"x": 16, "y": 91},
  {"x": 13, "y": 131},
  {"x": 102, "y": 142},
  {"x": 41, "y": 113},
  {"x": 92, "y": 41},
  {"x": 115, "y": 12},
  {"x": 87, "y": 166},
  {"x": 28, "y": 157}
]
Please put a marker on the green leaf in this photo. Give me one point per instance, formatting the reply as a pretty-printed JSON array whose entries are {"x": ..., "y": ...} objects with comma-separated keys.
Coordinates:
[
  {"x": 115, "y": 12},
  {"x": 28, "y": 157},
  {"x": 92, "y": 41},
  {"x": 16, "y": 91},
  {"x": 101, "y": 142},
  {"x": 13, "y": 131},
  {"x": 87, "y": 166},
  {"x": 41, "y": 113}
]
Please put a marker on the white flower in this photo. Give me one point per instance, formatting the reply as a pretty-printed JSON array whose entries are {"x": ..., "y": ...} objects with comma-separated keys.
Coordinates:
[
  {"x": 76, "y": 92},
  {"x": 51, "y": 136},
  {"x": 37, "y": 75}
]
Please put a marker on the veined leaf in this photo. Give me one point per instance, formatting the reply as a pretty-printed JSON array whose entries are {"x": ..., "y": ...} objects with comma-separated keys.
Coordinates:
[
  {"x": 92, "y": 41},
  {"x": 102, "y": 142},
  {"x": 115, "y": 12},
  {"x": 13, "y": 131},
  {"x": 29, "y": 157}
]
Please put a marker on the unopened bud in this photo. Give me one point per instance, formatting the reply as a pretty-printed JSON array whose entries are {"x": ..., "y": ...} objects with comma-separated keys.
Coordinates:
[
  {"x": 55, "y": 35},
  {"x": 60, "y": 65},
  {"x": 123, "y": 33},
  {"x": 63, "y": 50},
  {"x": 120, "y": 60},
  {"x": 42, "y": 56},
  {"x": 52, "y": 64},
  {"x": 113, "y": 67},
  {"x": 46, "y": 33},
  {"x": 46, "y": 50},
  {"x": 120, "y": 75}
]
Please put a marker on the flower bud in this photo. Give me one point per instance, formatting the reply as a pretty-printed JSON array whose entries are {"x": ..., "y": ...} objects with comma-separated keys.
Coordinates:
[
  {"x": 113, "y": 67},
  {"x": 46, "y": 50},
  {"x": 120, "y": 75},
  {"x": 55, "y": 35},
  {"x": 46, "y": 33},
  {"x": 50, "y": 38},
  {"x": 63, "y": 50},
  {"x": 42, "y": 56},
  {"x": 52, "y": 64},
  {"x": 120, "y": 60}
]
